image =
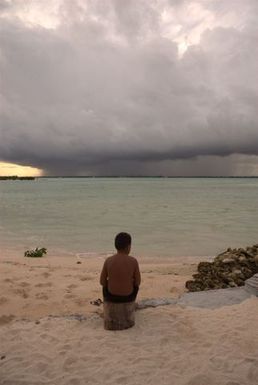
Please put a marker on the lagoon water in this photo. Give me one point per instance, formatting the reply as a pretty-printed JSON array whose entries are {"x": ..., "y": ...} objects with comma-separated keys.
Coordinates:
[{"x": 166, "y": 216}]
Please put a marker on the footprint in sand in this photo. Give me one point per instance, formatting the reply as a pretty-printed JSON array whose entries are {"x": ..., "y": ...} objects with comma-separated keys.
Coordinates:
[
  {"x": 233, "y": 383},
  {"x": 8, "y": 280},
  {"x": 121, "y": 380},
  {"x": 3, "y": 300},
  {"x": 23, "y": 293},
  {"x": 69, "y": 296},
  {"x": 67, "y": 347},
  {"x": 62, "y": 353},
  {"x": 83, "y": 279},
  {"x": 72, "y": 286},
  {"x": 42, "y": 366},
  {"x": 41, "y": 296},
  {"x": 5, "y": 319},
  {"x": 24, "y": 284},
  {"x": 200, "y": 379},
  {"x": 74, "y": 381},
  {"x": 86, "y": 278},
  {"x": 69, "y": 361},
  {"x": 47, "y": 284},
  {"x": 46, "y": 274}
]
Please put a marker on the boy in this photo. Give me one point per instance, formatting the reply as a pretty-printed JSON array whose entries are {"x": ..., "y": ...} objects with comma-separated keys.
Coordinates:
[{"x": 120, "y": 276}]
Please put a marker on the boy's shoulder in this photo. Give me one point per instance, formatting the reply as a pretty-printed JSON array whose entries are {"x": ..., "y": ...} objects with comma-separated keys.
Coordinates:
[
  {"x": 133, "y": 259},
  {"x": 109, "y": 258},
  {"x": 114, "y": 256}
]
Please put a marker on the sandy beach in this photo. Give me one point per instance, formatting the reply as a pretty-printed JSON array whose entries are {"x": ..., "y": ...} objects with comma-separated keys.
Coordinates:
[{"x": 51, "y": 334}]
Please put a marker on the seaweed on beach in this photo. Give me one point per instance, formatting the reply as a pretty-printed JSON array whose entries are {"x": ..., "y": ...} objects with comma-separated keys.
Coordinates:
[{"x": 37, "y": 253}]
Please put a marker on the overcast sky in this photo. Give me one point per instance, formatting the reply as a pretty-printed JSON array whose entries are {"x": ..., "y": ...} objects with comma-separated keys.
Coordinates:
[{"x": 130, "y": 86}]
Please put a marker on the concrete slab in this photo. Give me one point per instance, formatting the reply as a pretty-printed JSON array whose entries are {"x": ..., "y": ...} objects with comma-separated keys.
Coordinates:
[
  {"x": 214, "y": 298},
  {"x": 210, "y": 299}
]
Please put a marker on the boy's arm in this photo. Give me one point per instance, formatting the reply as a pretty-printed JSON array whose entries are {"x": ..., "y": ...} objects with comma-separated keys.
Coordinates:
[
  {"x": 104, "y": 275},
  {"x": 137, "y": 275}
]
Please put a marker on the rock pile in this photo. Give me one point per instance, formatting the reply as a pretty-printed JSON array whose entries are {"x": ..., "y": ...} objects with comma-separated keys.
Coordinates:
[{"x": 229, "y": 269}]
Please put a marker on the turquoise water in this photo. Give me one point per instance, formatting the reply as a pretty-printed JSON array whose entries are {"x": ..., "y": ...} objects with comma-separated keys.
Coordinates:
[{"x": 166, "y": 217}]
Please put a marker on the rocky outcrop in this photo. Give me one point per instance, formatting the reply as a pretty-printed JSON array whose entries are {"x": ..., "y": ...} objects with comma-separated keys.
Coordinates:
[{"x": 229, "y": 269}]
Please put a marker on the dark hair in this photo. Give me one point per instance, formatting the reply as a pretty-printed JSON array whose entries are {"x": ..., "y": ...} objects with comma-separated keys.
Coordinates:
[{"x": 122, "y": 240}]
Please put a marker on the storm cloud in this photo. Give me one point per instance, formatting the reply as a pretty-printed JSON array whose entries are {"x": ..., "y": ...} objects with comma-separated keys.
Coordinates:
[{"x": 135, "y": 87}]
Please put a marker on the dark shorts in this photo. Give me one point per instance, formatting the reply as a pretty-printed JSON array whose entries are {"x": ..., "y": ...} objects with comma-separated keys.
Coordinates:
[{"x": 120, "y": 298}]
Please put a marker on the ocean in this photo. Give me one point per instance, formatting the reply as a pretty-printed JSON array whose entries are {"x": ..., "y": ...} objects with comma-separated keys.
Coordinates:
[{"x": 165, "y": 216}]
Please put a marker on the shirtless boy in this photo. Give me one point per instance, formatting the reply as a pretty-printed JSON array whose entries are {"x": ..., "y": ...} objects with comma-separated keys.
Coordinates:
[{"x": 120, "y": 276}]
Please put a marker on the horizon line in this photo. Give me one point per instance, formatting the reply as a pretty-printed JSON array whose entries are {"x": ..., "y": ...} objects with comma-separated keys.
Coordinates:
[
  {"x": 147, "y": 176},
  {"x": 126, "y": 176}
]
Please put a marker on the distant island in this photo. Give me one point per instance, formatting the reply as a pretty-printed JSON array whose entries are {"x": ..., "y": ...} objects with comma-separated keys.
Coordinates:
[
  {"x": 15, "y": 177},
  {"x": 145, "y": 176}
]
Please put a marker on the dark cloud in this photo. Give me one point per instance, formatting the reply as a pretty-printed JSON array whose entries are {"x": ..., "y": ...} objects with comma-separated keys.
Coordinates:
[
  {"x": 106, "y": 91},
  {"x": 4, "y": 6}
]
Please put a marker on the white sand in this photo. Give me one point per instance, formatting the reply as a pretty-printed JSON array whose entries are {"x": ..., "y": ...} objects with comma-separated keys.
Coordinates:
[{"x": 168, "y": 345}]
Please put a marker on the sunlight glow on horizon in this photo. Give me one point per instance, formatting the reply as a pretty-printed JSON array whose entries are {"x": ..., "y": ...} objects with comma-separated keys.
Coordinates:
[{"x": 11, "y": 169}]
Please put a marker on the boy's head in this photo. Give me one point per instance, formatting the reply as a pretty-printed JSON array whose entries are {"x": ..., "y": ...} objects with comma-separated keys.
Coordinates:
[{"x": 123, "y": 242}]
